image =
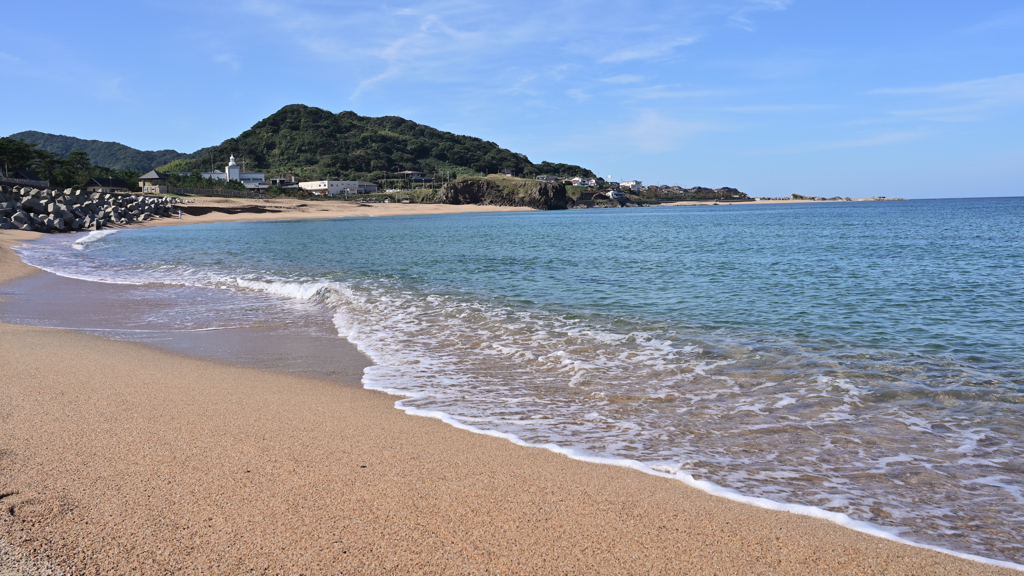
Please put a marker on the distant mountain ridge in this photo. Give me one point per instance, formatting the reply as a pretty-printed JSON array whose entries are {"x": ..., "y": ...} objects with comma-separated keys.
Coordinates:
[
  {"x": 316, "y": 144},
  {"x": 107, "y": 154}
]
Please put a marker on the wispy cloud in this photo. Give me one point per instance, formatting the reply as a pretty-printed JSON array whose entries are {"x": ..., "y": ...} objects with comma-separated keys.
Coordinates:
[
  {"x": 471, "y": 46},
  {"x": 965, "y": 113},
  {"x": 623, "y": 79},
  {"x": 672, "y": 91},
  {"x": 577, "y": 94},
  {"x": 778, "y": 108},
  {"x": 654, "y": 132},
  {"x": 649, "y": 131},
  {"x": 227, "y": 59},
  {"x": 959, "y": 101},
  {"x": 885, "y": 139},
  {"x": 742, "y": 17},
  {"x": 417, "y": 41},
  {"x": 1010, "y": 86},
  {"x": 647, "y": 50},
  {"x": 881, "y": 139},
  {"x": 1003, "y": 21}
]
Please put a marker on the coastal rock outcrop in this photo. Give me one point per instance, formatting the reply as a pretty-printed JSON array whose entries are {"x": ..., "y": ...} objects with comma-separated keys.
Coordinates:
[
  {"x": 46, "y": 210},
  {"x": 504, "y": 192}
]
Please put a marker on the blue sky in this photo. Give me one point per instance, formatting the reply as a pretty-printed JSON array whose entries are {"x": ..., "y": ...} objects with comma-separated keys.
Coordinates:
[{"x": 774, "y": 97}]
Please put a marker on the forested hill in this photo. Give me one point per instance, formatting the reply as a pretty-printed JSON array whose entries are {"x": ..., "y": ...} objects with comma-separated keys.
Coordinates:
[
  {"x": 316, "y": 144},
  {"x": 107, "y": 154}
]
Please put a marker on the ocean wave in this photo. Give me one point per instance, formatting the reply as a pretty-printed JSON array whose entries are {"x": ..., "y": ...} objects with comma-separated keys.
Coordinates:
[{"x": 90, "y": 237}]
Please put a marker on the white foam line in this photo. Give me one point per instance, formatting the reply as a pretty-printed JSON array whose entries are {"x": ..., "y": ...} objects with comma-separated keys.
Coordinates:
[
  {"x": 91, "y": 237},
  {"x": 86, "y": 278},
  {"x": 703, "y": 485}
]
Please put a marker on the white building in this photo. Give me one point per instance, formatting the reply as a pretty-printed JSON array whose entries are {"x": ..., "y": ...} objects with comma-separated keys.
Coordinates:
[
  {"x": 633, "y": 184},
  {"x": 233, "y": 173},
  {"x": 335, "y": 187}
]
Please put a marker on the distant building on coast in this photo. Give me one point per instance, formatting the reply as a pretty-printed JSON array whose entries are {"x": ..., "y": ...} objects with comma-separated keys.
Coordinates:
[
  {"x": 153, "y": 182},
  {"x": 106, "y": 185},
  {"x": 23, "y": 178},
  {"x": 233, "y": 173},
  {"x": 580, "y": 181},
  {"x": 335, "y": 187},
  {"x": 633, "y": 184}
]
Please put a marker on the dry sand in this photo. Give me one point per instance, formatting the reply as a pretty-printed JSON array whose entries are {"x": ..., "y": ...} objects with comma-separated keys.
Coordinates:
[
  {"x": 118, "y": 458},
  {"x": 242, "y": 209}
]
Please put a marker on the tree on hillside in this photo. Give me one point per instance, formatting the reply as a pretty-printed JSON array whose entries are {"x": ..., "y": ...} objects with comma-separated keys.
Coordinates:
[
  {"x": 17, "y": 155},
  {"x": 71, "y": 172},
  {"x": 74, "y": 170}
]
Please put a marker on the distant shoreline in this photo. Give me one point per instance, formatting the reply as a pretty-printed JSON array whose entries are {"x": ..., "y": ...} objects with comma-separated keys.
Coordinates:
[{"x": 213, "y": 209}]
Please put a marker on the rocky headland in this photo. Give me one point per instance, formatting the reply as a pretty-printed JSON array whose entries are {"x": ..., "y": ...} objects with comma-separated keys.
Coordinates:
[{"x": 504, "y": 192}]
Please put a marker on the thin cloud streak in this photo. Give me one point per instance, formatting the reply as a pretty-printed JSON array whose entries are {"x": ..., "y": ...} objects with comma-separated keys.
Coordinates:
[
  {"x": 778, "y": 108},
  {"x": 672, "y": 91},
  {"x": 649, "y": 50},
  {"x": 741, "y": 18},
  {"x": 884, "y": 139},
  {"x": 1010, "y": 86},
  {"x": 1004, "y": 21},
  {"x": 623, "y": 79}
]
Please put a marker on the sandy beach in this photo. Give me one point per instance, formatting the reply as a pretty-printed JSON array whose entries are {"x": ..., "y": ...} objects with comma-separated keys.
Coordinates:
[{"x": 117, "y": 457}]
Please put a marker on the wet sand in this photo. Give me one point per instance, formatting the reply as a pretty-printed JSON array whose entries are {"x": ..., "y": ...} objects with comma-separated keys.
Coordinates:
[{"x": 118, "y": 457}]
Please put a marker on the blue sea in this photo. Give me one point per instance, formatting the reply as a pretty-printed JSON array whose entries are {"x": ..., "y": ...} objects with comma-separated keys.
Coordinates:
[{"x": 860, "y": 361}]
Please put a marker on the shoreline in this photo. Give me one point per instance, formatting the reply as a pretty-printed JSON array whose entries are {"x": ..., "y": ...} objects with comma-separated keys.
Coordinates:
[{"x": 715, "y": 518}]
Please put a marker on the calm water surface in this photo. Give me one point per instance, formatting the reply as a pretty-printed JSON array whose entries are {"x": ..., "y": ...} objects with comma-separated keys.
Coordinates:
[{"x": 862, "y": 358}]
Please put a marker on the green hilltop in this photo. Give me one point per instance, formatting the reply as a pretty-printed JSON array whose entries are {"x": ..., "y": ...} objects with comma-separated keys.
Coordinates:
[
  {"x": 106, "y": 154},
  {"x": 313, "y": 143}
]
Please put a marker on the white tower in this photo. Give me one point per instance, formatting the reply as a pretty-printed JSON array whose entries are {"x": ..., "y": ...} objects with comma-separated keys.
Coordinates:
[{"x": 232, "y": 170}]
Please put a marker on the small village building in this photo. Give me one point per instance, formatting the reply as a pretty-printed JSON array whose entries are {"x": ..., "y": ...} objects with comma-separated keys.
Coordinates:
[
  {"x": 24, "y": 175},
  {"x": 233, "y": 173},
  {"x": 106, "y": 185},
  {"x": 23, "y": 178},
  {"x": 633, "y": 184},
  {"x": 336, "y": 187},
  {"x": 153, "y": 182}
]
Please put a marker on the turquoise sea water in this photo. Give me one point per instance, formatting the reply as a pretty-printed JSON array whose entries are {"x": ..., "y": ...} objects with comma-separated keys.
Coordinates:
[{"x": 860, "y": 358}]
